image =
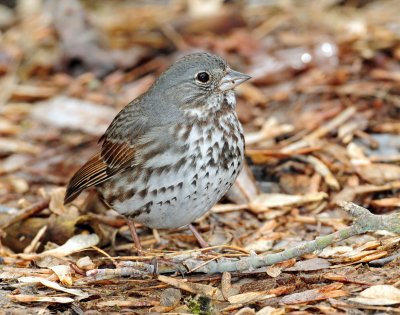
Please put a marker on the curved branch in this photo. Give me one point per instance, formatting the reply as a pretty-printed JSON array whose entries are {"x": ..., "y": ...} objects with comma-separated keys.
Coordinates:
[{"x": 364, "y": 221}]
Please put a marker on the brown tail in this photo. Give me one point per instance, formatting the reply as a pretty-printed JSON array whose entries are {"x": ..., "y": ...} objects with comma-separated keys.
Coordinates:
[{"x": 92, "y": 173}]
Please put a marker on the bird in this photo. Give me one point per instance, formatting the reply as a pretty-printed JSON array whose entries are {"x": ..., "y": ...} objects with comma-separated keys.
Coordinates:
[{"x": 174, "y": 151}]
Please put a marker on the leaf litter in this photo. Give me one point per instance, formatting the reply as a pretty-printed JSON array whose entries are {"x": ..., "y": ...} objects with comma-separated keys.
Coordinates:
[{"x": 321, "y": 121}]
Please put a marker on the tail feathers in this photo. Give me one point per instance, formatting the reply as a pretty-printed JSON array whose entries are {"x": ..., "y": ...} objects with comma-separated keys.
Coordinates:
[{"x": 92, "y": 173}]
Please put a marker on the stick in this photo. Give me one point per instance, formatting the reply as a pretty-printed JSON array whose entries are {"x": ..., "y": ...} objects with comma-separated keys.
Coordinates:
[{"x": 364, "y": 221}]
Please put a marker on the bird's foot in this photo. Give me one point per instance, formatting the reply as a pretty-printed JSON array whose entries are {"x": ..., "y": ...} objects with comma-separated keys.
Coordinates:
[
  {"x": 135, "y": 237},
  {"x": 197, "y": 235}
]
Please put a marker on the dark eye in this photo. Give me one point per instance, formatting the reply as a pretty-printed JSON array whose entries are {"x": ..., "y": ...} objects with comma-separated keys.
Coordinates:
[{"x": 203, "y": 77}]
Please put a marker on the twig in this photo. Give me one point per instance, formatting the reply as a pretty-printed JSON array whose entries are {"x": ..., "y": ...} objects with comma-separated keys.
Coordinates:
[
  {"x": 31, "y": 248},
  {"x": 26, "y": 213},
  {"x": 322, "y": 130},
  {"x": 364, "y": 221},
  {"x": 125, "y": 269}
]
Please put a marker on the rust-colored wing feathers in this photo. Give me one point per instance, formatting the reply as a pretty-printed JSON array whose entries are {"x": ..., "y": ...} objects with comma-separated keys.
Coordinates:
[
  {"x": 113, "y": 158},
  {"x": 117, "y": 155},
  {"x": 93, "y": 171}
]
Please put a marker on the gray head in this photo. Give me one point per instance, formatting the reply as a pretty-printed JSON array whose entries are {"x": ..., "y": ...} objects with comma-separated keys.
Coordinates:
[{"x": 195, "y": 77}]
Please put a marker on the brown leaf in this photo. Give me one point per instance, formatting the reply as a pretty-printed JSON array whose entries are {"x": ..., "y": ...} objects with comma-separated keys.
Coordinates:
[
  {"x": 379, "y": 174},
  {"x": 310, "y": 264},
  {"x": 246, "y": 311},
  {"x": 14, "y": 145},
  {"x": 73, "y": 245},
  {"x": 29, "y": 93},
  {"x": 22, "y": 298},
  {"x": 349, "y": 193},
  {"x": 321, "y": 293},
  {"x": 386, "y": 202},
  {"x": 127, "y": 303},
  {"x": 343, "y": 278},
  {"x": 196, "y": 288},
  {"x": 245, "y": 187},
  {"x": 265, "y": 202},
  {"x": 379, "y": 295},
  {"x": 250, "y": 297},
  {"x": 63, "y": 273},
  {"x": 56, "y": 204},
  {"x": 286, "y": 289},
  {"x": 273, "y": 271},
  {"x": 86, "y": 263},
  {"x": 226, "y": 286},
  {"x": 268, "y": 310},
  {"x": 53, "y": 285},
  {"x": 71, "y": 113}
]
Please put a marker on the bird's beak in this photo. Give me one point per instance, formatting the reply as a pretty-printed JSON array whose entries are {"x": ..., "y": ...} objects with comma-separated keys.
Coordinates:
[{"x": 231, "y": 79}]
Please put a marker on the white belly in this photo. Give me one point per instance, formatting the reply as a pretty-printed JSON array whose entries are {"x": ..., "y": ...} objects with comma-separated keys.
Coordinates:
[{"x": 174, "y": 188}]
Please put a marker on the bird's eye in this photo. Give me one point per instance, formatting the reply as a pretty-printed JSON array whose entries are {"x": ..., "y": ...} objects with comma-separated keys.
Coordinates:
[{"x": 203, "y": 77}]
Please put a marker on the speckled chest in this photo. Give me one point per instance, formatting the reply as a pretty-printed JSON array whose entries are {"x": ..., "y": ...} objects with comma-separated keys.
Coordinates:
[{"x": 180, "y": 184}]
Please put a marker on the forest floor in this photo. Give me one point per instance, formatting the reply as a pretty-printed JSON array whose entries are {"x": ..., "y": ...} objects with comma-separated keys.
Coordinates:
[{"x": 322, "y": 121}]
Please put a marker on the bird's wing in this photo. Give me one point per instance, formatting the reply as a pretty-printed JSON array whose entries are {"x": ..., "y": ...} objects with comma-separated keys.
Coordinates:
[{"x": 117, "y": 152}]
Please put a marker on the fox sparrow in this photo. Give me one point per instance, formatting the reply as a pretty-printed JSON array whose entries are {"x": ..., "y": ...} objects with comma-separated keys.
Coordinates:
[{"x": 174, "y": 151}]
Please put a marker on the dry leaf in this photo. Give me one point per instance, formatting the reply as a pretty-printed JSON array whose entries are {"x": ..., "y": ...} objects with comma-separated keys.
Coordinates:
[
  {"x": 66, "y": 112},
  {"x": 264, "y": 202},
  {"x": 86, "y": 263},
  {"x": 250, "y": 297},
  {"x": 349, "y": 193},
  {"x": 127, "y": 303},
  {"x": 199, "y": 8},
  {"x": 14, "y": 145},
  {"x": 245, "y": 187},
  {"x": 310, "y": 265},
  {"x": 260, "y": 245},
  {"x": 63, "y": 273},
  {"x": 246, "y": 311},
  {"x": 74, "y": 244},
  {"x": 169, "y": 300},
  {"x": 273, "y": 271},
  {"x": 386, "y": 202},
  {"x": 56, "y": 204},
  {"x": 196, "y": 288},
  {"x": 379, "y": 295},
  {"x": 32, "y": 93},
  {"x": 268, "y": 310},
  {"x": 329, "y": 252},
  {"x": 323, "y": 170},
  {"x": 379, "y": 174},
  {"x": 226, "y": 286},
  {"x": 53, "y": 285},
  {"x": 22, "y": 298},
  {"x": 270, "y": 130},
  {"x": 321, "y": 293}
]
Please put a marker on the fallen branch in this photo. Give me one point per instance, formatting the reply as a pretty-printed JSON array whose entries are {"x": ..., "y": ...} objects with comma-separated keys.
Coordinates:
[
  {"x": 364, "y": 221},
  {"x": 26, "y": 213}
]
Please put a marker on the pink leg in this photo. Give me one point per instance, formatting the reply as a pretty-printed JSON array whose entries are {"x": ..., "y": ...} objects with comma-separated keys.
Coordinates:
[
  {"x": 197, "y": 235},
  {"x": 135, "y": 237}
]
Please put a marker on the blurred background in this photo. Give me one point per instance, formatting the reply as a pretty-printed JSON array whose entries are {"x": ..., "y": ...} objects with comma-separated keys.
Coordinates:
[
  {"x": 321, "y": 116},
  {"x": 325, "y": 91},
  {"x": 325, "y": 87}
]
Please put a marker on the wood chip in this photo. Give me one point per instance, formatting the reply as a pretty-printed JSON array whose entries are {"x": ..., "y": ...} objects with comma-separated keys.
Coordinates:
[
  {"x": 321, "y": 293},
  {"x": 196, "y": 288},
  {"x": 265, "y": 202},
  {"x": 250, "y": 297},
  {"x": 22, "y": 298},
  {"x": 379, "y": 295}
]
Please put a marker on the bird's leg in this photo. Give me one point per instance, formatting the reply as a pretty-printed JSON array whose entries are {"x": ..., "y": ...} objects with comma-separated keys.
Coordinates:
[
  {"x": 197, "y": 235},
  {"x": 135, "y": 237}
]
